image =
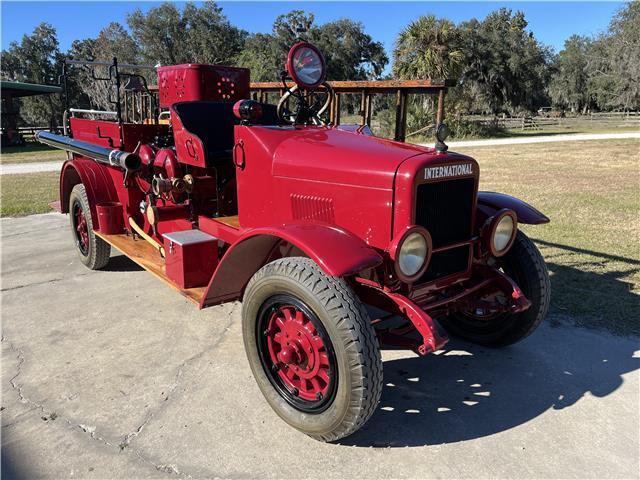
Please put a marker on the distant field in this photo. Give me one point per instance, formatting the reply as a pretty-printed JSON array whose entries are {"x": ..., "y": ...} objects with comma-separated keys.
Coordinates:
[
  {"x": 590, "y": 190},
  {"x": 32, "y": 152}
]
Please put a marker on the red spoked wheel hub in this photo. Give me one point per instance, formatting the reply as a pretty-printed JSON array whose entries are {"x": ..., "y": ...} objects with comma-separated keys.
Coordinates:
[
  {"x": 297, "y": 355},
  {"x": 81, "y": 228}
]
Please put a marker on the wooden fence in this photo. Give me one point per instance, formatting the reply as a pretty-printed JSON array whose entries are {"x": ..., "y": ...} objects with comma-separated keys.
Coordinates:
[
  {"x": 606, "y": 119},
  {"x": 261, "y": 91}
]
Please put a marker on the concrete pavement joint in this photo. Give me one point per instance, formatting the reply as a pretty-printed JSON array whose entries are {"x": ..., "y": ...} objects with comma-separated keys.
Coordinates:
[
  {"x": 53, "y": 280},
  {"x": 90, "y": 430},
  {"x": 35, "y": 232},
  {"x": 173, "y": 468},
  {"x": 167, "y": 468}
]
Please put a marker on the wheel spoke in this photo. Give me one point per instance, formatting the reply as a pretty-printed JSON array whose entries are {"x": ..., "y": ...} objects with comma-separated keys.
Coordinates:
[
  {"x": 324, "y": 359},
  {"x": 323, "y": 374},
  {"x": 315, "y": 385}
]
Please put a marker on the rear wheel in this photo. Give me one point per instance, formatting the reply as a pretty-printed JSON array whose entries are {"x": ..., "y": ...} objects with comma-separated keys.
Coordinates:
[
  {"x": 311, "y": 348},
  {"x": 525, "y": 265},
  {"x": 93, "y": 251}
]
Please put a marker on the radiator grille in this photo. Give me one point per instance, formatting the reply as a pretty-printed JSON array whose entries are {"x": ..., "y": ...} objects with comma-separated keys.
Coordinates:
[
  {"x": 444, "y": 208},
  {"x": 446, "y": 263}
]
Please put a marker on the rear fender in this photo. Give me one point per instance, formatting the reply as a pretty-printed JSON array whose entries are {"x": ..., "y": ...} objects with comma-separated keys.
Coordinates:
[
  {"x": 93, "y": 176},
  {"x": 490, "y": 202},
  {"x": 336, "y": 251}
]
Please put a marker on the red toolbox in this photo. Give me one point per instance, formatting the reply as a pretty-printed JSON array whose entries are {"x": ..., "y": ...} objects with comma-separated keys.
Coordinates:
[{"x": 191, "y": 256}]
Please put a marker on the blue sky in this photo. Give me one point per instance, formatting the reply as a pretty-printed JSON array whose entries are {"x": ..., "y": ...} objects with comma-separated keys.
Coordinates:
[{"x": 552, "y": 22}]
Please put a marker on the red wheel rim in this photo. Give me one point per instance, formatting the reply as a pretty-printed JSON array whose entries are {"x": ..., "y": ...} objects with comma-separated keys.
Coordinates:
[
  {"x": 82, "y": 229},
  {"x": 299, "y": 353}
]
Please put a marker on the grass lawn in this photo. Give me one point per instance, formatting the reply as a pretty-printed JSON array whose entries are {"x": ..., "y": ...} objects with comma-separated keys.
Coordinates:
[
  {"x": 29, "y": 193},
  {"x": 32, "y": 152},
  {"x": 591, "y": 192}
]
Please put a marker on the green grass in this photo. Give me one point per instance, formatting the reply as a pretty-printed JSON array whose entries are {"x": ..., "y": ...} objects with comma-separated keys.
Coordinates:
[
  {"x": 32, "y": 152},
  {"x": 29, "y": 193},
  {"x": 591, "y": 192}
]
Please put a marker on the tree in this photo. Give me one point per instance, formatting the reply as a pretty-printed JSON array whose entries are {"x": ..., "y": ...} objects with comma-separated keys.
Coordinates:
[
  {"x": 112, "y": 41},
  {"x": 196, "y": 34},
  {"x": 568, "y": 87},
  {"x": 614, "y": 61},
  {"x": 350, "y": 53},
  {"x": 263, "y": 56},
  {"x": 428, "y": 48},
  {"x": 504, "y": 65},
  {"x": 36, "y": 59}
]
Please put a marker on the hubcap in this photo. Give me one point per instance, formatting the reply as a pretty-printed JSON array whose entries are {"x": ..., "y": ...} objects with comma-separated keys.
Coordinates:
[
  {"x": 297, "y": 355},
  {"x": 82, "y": 230}
]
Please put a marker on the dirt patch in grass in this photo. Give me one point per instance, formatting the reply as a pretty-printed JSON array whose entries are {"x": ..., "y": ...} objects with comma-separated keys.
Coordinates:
[
  {"x": 591, "y": 192},
  {"x": 27, "y": 194},
  {"x": 30, "y": 153}
]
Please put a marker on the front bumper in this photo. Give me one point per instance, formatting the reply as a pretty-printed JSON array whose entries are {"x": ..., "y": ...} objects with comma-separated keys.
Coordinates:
[{"x": 487, "y": 288}]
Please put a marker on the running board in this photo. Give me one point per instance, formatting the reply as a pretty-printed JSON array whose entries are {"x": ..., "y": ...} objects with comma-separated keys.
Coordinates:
[{"x": 148, "y": 258}]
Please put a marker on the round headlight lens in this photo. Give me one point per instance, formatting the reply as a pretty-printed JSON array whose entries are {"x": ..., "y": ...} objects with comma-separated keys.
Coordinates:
[
  {"x": 307, "y": 65},
  {"x": 503, "y": 233},
  {"x": 412, "y": 255}
]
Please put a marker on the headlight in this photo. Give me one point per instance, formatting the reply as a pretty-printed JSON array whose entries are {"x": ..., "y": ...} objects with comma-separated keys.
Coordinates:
[
  {"x": 500, "y": 232},
  {"x": 412, "y": 253},
  {"x": 306, "y": 65}
]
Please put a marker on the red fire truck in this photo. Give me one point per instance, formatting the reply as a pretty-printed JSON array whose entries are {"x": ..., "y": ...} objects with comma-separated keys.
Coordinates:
[{"x": 337, "y": 242}]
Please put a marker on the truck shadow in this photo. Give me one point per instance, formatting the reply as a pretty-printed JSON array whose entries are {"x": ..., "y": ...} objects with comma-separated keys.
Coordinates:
[
  {"x": 469, "y": 392},
  {"x": 121, "y": 263}
]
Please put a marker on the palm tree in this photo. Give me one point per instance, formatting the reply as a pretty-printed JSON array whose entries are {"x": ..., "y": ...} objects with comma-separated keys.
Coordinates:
[{"x": 428, "y": 48}]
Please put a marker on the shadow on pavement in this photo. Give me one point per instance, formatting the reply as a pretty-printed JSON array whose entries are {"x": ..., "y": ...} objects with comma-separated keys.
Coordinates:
[
  {"x": 121, "y": 263},
  {"x": 9, "y": 470},
  {"x": 469, "y": 392}
]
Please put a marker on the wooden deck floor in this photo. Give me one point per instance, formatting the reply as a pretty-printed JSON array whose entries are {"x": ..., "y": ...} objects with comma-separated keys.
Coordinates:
[{"x": 148, "y": 258}]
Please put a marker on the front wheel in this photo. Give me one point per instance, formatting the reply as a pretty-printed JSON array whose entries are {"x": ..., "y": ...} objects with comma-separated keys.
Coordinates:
[
  {"x": 311, "y": 348},
  {"x": 525, "y": 265}
]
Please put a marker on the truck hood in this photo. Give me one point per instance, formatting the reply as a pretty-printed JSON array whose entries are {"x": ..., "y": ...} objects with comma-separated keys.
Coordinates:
[{"x": 329, "y": 154}]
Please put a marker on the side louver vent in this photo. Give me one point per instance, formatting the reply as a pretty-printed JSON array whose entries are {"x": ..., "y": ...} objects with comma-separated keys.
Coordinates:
[{"x": 309, "y": 207}]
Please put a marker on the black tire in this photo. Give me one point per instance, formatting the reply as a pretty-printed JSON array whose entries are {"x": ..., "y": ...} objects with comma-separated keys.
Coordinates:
[
  {"x": 525, "y": 265},
  {"x": 93, "y": 252},
  {"x": 345, "y": 325}
]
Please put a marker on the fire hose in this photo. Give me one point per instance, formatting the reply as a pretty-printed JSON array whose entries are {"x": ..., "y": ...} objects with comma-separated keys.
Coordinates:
[{"x": 146, "y": 237}]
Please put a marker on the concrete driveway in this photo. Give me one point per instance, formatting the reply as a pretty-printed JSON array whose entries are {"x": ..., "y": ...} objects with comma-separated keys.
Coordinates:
[{"x": 112, "y": 374}]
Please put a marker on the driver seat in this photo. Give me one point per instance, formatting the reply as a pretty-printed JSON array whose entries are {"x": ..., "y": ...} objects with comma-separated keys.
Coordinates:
[{"x": 203, "y": 130}]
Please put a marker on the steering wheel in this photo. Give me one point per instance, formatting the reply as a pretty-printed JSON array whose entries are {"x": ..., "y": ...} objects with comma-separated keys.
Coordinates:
[{"x": 310, "y": 105}]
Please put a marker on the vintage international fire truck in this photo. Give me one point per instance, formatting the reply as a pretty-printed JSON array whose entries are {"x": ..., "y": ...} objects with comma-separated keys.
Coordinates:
[{"x": 337, "y": 242}]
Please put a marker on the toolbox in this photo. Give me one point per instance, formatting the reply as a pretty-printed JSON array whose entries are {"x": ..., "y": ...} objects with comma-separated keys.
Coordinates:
[{"x": 191, "y": 257}]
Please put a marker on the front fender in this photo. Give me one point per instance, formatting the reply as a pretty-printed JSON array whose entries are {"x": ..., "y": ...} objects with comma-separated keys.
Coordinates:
[
  {"x": 93, "y": 176},
  {"x": 491, "y": 202},
  {"x": 337, "y": 251}
]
